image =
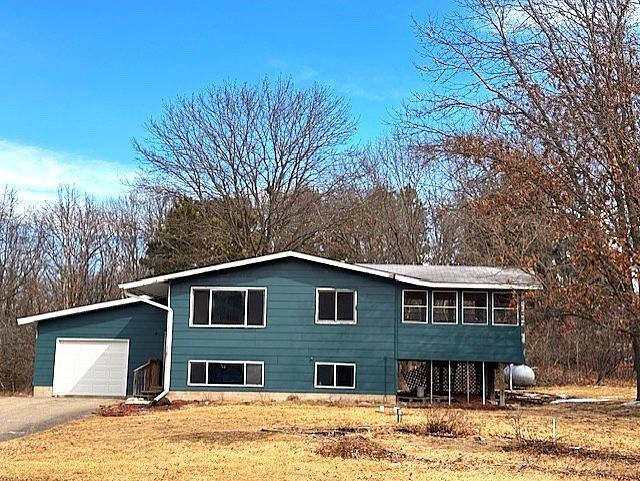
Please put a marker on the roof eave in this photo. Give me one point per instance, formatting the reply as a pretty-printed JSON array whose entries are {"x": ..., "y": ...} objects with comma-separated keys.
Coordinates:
[
  {"x": 76, "y": 310},
  {"x": 465, "y": 285},
  {"x": 254, "y": 260}
]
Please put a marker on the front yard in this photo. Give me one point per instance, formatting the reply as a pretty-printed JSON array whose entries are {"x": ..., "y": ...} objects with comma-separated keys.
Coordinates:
[{"x": 295, "y": 441}]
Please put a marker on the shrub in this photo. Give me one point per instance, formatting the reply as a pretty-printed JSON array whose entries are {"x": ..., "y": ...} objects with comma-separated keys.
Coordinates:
[
  {"x": 357, "y": 447},
  {"x": 445, "y": 423}
]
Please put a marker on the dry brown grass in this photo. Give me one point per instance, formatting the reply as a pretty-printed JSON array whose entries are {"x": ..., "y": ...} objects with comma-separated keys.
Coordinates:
[
  {"x": 286, "y": 441},
  {"x": 447, "y": 423}
]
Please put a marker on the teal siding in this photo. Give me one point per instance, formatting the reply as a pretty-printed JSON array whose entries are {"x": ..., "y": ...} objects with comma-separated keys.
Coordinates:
[
  {"x": 142, "y": 324},
  {"x": 460, "y": 342},
  {"x": 292, "y": 342}
]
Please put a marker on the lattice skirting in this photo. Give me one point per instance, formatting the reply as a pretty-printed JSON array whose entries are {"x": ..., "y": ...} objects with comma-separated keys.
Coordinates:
[{"x": 463, "y": 376}]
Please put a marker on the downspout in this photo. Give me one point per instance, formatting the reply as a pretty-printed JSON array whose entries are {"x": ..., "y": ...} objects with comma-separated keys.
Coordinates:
[{"x": 169, "y": 337}]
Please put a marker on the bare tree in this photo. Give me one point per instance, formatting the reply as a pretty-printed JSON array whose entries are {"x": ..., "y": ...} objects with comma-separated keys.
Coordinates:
[
  {"x": 545, "y": 94},
  {"x": 20, "y": 266},
  {"x": 265, "y": 153}
]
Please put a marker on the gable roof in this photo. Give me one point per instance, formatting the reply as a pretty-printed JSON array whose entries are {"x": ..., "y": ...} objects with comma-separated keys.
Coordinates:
[
  {"x": 77, "y": 310},
  {"x": 427, "y": 276}
]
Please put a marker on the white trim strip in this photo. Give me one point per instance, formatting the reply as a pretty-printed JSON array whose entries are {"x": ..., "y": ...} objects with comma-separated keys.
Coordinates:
[
  {"x": 424, "y": 307},
  {"x": 335, "y": 374},
  {"x": 244, "y": 290},
  {"x": 321, "y": 260},
  {"x": 255, "y": 260},
  {"x": 433, "y": 308},
  {"x": 77, "y": 310},
  {"x": 206, "y": 363},
  {"x": 335, "y": 319}
]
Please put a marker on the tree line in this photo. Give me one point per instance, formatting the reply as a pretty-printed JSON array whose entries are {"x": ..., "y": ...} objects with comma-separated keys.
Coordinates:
[{"x": 521, "y": 150}]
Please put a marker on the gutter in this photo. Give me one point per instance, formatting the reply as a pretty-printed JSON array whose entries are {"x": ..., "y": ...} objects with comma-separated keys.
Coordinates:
[{"x": 169, "y": 337}]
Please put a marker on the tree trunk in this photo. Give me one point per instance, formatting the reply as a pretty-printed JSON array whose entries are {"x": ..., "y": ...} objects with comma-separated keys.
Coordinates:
[{"x": 635, "y": 340}]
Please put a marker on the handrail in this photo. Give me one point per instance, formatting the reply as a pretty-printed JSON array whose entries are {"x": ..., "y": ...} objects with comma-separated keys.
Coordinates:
[{"x": 148, "y": 363}]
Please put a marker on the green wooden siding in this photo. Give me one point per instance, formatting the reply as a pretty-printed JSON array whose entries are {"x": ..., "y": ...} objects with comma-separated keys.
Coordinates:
[
  {"x": 142, "y": 324},
  {"x": 458, "y": 342},
  {"x": 291, "y": 342}
]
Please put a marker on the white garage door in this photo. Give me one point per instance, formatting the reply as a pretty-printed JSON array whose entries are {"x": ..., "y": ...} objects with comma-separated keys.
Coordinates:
[{"x": 91, "y": 367}]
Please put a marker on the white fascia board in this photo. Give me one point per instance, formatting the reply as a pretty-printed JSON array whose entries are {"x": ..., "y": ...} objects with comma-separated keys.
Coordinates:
[
  {"x": 465, "y": 285},
  {"x": 77, "y": 310},
  {"x": 255, "y": 260}
]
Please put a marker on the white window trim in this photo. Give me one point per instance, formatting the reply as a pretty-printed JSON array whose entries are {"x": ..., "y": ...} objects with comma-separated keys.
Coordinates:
[
  {"x": 335, "y": 377},
  {"x": 206, "y": 373},
  {"x": 336, "y": 320},
  {"x": 494, "y": 309},
  {"x": 246, "y": 301},
  {"x": 486, "y": 309},
  {"x": 425, "y": 307},
  {"x": 433, "y": 321}
]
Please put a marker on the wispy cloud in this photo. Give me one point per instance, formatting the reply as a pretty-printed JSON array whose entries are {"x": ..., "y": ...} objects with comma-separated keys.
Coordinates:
[
  {"x": 36, "y": 173},
  {"x": 375, "y": 89}
]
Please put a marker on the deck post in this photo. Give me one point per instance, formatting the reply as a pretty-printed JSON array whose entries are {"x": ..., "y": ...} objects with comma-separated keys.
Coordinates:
[
  {"x": 431, "y": 382},
  {"x": 467, "y": 382},
  {"x": 511, "y": 377},
  {"x": 484, "y": 386},
  {"x": 449, "y": 383}
]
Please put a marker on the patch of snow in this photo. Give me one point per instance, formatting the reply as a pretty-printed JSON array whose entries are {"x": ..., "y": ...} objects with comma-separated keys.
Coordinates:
[
  {"x": 582, "y": 400},
  {"x": 632, "y": 404}
]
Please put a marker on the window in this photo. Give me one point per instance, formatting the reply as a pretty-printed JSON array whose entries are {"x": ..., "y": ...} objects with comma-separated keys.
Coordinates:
[
  {"x": 335, "y": 306},
  {"x": 335, "y": 375},
  {"x": 226, "y": 373},
  {"x": 505, "y": 309},
  {"x": 228, "y": 307},
  {"x": 445, "y": 307},
  {"x": 474, "y": 308},
  {"x": 414, "y": 306}
]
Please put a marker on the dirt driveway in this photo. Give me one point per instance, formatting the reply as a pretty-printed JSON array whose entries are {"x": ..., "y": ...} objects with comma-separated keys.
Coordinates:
[{"x": 24, "y": 415}]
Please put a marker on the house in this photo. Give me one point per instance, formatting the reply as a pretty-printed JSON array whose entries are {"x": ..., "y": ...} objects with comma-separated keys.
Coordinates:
[{"x": 290, "y": 323}]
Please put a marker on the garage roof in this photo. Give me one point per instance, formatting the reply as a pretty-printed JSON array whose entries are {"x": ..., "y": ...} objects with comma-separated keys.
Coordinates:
[{"x": 77, "y": 310}]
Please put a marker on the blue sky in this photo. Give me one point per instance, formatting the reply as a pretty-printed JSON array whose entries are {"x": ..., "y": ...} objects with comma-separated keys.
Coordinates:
[{"x": 79, "y": 79}]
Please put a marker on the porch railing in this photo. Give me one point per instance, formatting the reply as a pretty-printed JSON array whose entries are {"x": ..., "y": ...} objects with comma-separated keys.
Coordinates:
[{"x": 147, "y": 379}]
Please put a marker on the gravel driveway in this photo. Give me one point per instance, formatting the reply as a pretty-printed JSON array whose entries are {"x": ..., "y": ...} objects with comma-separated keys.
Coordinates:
[{"x": 25, "y": 415}]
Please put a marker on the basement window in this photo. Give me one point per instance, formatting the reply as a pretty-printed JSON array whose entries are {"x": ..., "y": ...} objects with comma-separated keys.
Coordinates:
[
  {"x": 474, "y": 307},
  {"x": 226, "y": 373},
  {"x": 505, "y": 309},
  {"x": 335, "y": 306},
  {"x": 414, "y": 306},
  {"x": 228, "y": 307},
  {"x": 330, "y": 375},
  {"x": 445, "y": 307}
]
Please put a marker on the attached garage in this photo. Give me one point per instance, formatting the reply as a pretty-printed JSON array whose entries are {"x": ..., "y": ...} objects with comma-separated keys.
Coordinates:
[
  {"x": 93, "y": 350},
  {"x": 90, "y": 367}
]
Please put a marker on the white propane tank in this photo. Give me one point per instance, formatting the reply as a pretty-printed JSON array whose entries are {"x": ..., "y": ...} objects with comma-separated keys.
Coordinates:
[{"x": 521, "y": 375}]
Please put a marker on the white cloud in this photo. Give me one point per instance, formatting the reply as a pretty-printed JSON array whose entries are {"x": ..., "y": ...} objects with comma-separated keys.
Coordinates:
[{"x": 36, "y": 173}]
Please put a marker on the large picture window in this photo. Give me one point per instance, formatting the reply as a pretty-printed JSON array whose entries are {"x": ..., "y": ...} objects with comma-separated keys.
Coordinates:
[
  {"x": 335, "y": 375},
  {"x": 226, "y": 373},
  {"x": 474, "y": 307},
  {"x": 445, "y": 307},
  {"x": 505, "y": 309},
  {"x": 228, "y": 307},
  {"x": 414, "y": 306},
  {"x": 335, "y": 306}
]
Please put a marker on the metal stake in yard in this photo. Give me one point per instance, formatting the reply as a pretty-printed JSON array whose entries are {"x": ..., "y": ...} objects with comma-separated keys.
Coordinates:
[{"x": 553, "y": 429}]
